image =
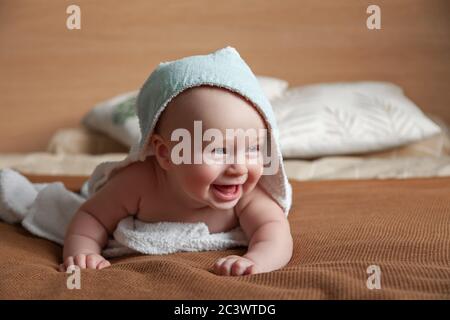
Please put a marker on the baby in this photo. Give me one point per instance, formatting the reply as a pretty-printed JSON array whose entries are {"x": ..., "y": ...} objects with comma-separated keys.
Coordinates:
[{"x": 221, "y": 194}]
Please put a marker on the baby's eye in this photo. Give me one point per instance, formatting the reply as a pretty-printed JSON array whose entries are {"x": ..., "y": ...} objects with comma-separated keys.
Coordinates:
[
  {"x": 254, "y": 148},
  {"x": 219, "y": 151}
]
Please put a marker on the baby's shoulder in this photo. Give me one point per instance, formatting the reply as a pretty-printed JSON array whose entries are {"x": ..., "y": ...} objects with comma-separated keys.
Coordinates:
[
  {"x": 260, "y": 206},
  {"x": 257, "y": 194},
  {"x": 135, "y": 176}
]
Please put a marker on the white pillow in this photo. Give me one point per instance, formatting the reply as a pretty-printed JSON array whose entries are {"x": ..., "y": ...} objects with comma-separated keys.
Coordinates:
[
  {"x": 117, "y": 118},
  {"x": 272, "y": 87},
  {"x": 346, "y": 118}
]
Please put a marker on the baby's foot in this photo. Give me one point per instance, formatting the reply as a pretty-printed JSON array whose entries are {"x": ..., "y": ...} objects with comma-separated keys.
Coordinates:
[
  {"x": 85, "y": 261},
  {"x": 235, "y": 266}
]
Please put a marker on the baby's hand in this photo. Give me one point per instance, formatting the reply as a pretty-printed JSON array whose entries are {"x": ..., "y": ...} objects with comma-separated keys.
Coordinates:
[
  {"x": 89, "y": 261},
  {"x": 235, "y": 266}
]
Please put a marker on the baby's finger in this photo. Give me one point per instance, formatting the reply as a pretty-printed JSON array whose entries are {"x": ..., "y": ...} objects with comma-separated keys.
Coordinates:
[
  {"x": 222, "y": 260},
  {"x": 68, "y": 262},
  {"x": 92, "y": 260},
  {"x": 103, "y": 264},
  {"x": 80, "y": 260},
  {"x": 240, "y": 266},
  {"x": 61, "y": 267},
  {"x": 219, "y": 262},
  {"x": 218, "y": 266},
  {"x": 226, "y": 266},
  {"x": 251, "y": 270}
]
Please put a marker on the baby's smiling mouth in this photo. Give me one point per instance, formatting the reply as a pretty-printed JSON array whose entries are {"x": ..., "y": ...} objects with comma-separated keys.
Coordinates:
[{"x": 226, "y": 192}]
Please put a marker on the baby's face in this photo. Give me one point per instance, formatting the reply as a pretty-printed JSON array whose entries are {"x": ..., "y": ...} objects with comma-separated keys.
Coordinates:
[{"x": 228, "y": 169}]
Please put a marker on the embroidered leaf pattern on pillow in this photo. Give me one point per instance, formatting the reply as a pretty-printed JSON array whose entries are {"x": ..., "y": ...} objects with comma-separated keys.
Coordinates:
[
  {"x": 296, "y": 122},
  {"x": 339, "y": 122},
  {"x": 385, "y": 118},
  {"x": 124, "y": 111},
  {"x": 347, "y": 118}
]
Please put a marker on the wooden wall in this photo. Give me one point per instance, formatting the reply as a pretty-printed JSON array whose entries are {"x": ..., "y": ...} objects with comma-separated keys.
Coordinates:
[{"x": 51, "y": 76}]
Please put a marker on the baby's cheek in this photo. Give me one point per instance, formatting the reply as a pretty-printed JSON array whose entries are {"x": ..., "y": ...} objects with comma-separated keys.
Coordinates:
[
  {"x": 255, "y": 173},
  {"x": 203, "y": 174},
  {"x": 256, "y": 169}
]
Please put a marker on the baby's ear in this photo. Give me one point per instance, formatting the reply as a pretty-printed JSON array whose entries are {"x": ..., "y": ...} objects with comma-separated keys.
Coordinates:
[{"x": 161, "y": 150}]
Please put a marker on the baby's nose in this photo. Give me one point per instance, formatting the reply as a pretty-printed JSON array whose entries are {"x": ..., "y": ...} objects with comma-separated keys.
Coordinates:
[{"x": 237, "y": 169}]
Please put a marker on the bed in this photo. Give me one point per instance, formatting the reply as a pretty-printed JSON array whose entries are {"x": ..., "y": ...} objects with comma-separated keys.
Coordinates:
[
  {"x": 340, "y": 229},
  {"x": 353, "y": 214}
]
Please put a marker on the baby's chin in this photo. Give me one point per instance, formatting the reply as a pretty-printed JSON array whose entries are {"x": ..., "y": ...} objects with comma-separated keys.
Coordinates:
[{"x": 223, "y": 206}]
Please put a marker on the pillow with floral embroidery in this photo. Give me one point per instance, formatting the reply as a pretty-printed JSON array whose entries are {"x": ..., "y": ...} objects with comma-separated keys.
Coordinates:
[{"x": 348, "y": 118}]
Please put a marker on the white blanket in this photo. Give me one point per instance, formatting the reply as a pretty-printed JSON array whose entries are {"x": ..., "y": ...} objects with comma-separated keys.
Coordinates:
[{"x": 46, "y": 210}]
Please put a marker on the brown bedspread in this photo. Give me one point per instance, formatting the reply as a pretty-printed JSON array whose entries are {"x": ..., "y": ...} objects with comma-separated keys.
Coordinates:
[{"x": 340, "y": 228}]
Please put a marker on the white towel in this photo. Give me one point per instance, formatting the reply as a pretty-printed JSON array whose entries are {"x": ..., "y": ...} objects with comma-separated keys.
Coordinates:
[{"x": 46, "y": 210}]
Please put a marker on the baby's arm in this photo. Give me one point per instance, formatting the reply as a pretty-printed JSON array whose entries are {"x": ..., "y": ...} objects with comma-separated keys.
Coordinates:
[
  {"x": 270, "y": 246},
  {"x": 98, "y": 217}
]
